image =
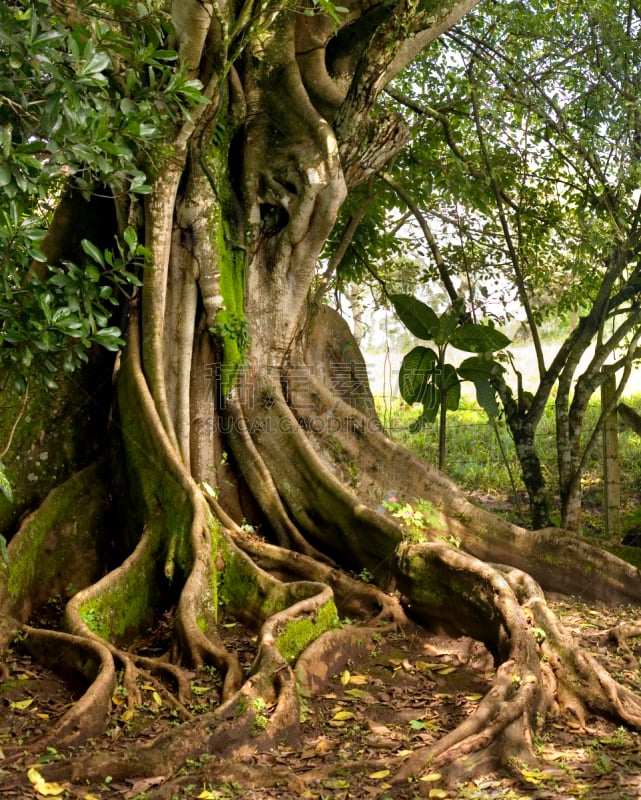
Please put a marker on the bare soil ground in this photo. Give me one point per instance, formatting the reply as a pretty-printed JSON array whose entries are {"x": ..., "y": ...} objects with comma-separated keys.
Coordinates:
[{"x": 411, "y": 687}]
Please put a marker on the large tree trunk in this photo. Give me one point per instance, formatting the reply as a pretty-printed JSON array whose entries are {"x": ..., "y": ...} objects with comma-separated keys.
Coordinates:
[{"x": 230, "y": 404}]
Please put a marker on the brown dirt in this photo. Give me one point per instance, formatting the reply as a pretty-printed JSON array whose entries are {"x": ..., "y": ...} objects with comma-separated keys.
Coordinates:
[{"x": 411, "y": 688}]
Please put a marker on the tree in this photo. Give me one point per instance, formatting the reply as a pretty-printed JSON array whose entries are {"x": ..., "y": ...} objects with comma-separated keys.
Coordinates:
[
  {"x": 523, "y": 173},
  {"x": 233, "y": 399}
]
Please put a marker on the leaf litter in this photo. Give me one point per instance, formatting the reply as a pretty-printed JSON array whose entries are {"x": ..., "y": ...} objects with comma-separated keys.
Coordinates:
[{"x": 410, "y": 690}]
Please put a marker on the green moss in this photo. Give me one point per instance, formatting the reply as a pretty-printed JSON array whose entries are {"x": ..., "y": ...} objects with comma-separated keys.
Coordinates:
[
  {"x": 124, "y": 606},
  {"x": 426, "y": 590},
  {"x": 58, "y": 542},
  {"x": 242, "y": 589},
  {"x": 299, "y": 633},
  {"x": 231, "y": 327}
]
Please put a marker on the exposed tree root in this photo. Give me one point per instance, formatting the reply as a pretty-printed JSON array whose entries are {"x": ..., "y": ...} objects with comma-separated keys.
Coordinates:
[
  {"x": 292, "y": 597},
  {"x": 621, "y": 634},
  {"x": 88, "y": 660}
]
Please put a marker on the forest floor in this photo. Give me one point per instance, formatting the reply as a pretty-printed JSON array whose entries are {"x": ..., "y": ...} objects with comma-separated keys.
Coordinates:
[{"x": 411, "y": 688}]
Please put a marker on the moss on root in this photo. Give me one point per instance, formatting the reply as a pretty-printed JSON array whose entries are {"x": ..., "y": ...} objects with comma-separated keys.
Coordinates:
[
  {"x": 58, "y": 549},
  {"x": 299, "y": 633}
]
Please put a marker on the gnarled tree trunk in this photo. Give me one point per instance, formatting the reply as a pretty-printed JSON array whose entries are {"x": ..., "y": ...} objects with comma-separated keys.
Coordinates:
[{"x": 231, "y": 405}]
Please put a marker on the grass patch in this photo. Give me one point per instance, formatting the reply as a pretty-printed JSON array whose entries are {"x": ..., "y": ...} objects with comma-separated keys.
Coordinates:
[{"x": 481, "y": 458}]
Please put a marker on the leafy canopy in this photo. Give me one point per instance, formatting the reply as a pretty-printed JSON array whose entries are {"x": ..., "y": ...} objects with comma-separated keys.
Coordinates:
[{"x": 86, "y": 104}]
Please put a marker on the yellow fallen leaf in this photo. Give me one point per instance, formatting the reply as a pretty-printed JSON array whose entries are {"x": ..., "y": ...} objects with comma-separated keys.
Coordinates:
[
  {"x": 128, "y": 715},
  {"x": 117, "y": 701},
  {"x": 49, "y": 789},
  {"x": 437, "y": 793},
  {"x": 358, "y": 680},
  {"x": 41, "y": 786},
  {"x": 336, "y": 723},
  {"x": 336, "y": 783},
  {"x": 473, "y": 698},
  {"x": 157, "y": 698},
  {"x": 359, "y": 694},
  {"x": 446, "y": 670},
  {"x": 343, "y": 715},
  {"x": 42, "y": 716},
  {"x": 423, "y": 665},
  {"x": 432, "y": 777},
  {"x": 90, "y": 797},
  {"x": 403, "y": 753},
  {"x": 378, "y": 776},
  {"x": 149, "y": 687},
  {"x": 207, "y": 795},
  {"x": 345, "y": 676},
  {"x": 34, "y": 776},
  {"x": 20, "y": 705}
]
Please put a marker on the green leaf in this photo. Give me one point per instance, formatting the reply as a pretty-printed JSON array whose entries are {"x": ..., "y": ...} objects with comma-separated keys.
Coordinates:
[
  {"x": 417, "y": 373},
  {"x": 5, "y": 174},
  {"x": 447, "y": 325},
  {"x": 431, "y": 404},
  {"x": 417, "y": 317},
  {"x": 93, "y": 273},
  {"x": 131, "y": 238},
  {"x": 452, "y": 387},
  {"x": 109, "y": 338},
  {"x": 486, "y": 397},
  {"x": 474, "y": 338},
  {"x": 5, "y": 486},
  {"x": 478, "y": 368},
  {"x": 97, "y": 63},
  {"x": 93, "y": 252}
]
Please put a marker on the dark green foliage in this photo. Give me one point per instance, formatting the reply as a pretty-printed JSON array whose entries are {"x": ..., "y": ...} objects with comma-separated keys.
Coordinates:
[
  {"x": 426, "y": 378},
  {"x": 87, "y": 105}
]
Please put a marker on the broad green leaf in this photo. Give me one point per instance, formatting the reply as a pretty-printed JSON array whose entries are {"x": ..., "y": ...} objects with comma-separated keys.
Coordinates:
[
  {"x": 417, "y": 372},
  {"x": 452, "y": 387},
  {"x": 109, "y": 338},
  {"x": 5, "y": 174},
  {"x": 97, "y": 63},
  {"x": 474, "y": 338},
  {"x": 93, "y": 252},
  {"x": 431, "y": 404},
  {"x": 447, "y": 325},
  {"x": 486, "y": 397},
  {"x": 477, "y": 368},
  {"x": 131, "y": 237},
  {"x": 93, "y": 273},
  {"x": 417, "y": 317}
]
